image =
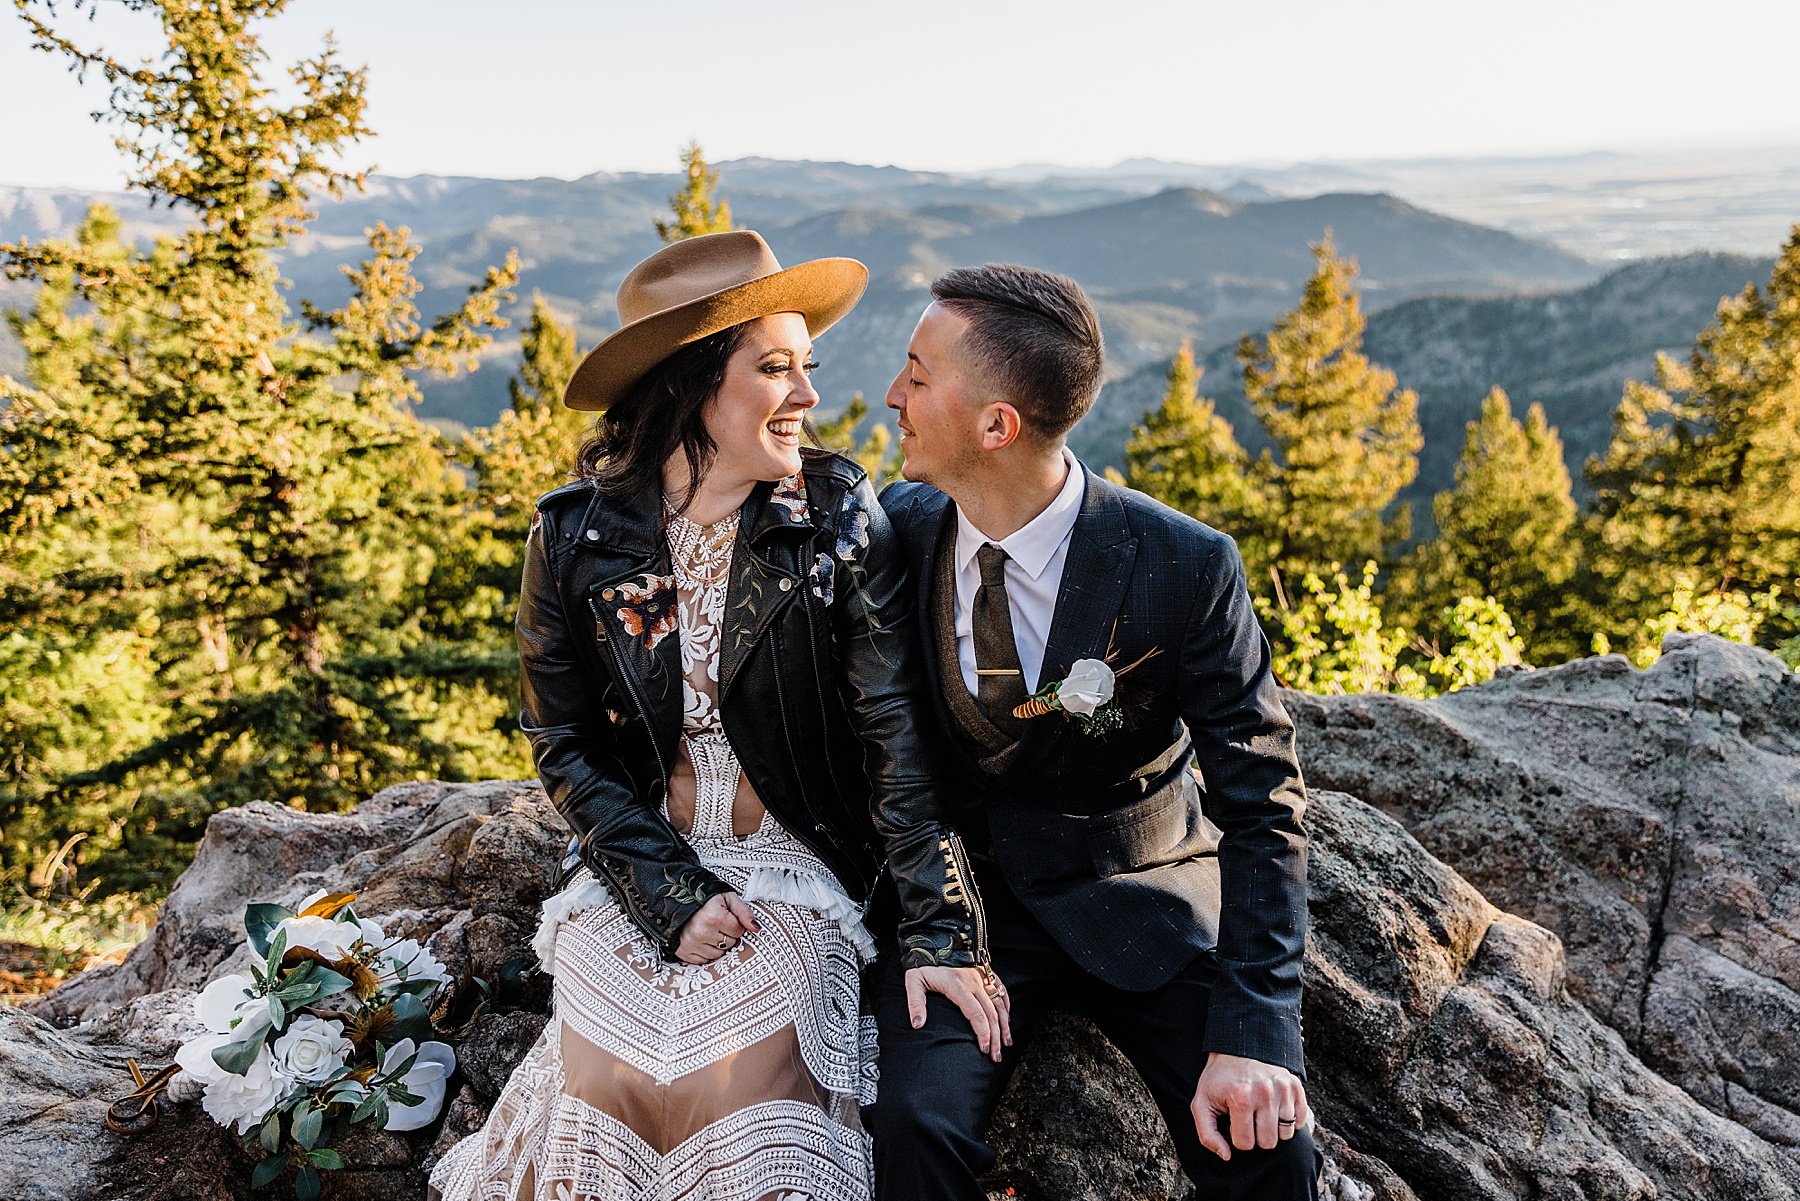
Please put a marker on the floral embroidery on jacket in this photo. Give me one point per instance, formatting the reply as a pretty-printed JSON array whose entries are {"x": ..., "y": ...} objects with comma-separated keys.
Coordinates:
[
  {"x": 853, "y": 529},
  {"x": 852, "y": 540},
  {"x": 647, "y": 607},
  {"x": 790, "y": 494},
  {"x": 821, "y": 577}
]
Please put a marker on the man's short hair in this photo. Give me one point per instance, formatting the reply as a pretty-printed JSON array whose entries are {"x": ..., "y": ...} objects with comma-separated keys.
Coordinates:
[{"x": 1032, "y": 335}]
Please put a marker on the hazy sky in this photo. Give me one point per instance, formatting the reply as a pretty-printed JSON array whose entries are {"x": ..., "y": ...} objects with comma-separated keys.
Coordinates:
[{"x": 567, "y": 87}]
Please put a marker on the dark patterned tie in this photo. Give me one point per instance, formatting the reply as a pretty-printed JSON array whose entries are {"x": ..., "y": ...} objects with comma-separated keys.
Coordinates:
[{"x": 999, "y": 680}]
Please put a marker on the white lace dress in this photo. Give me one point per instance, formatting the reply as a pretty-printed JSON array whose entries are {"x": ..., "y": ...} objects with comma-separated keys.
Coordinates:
[{"x": 737, "y": 1080}]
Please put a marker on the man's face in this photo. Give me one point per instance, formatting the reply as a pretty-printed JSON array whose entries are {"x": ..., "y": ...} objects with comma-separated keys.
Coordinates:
[{"x": 940, "y": 402}]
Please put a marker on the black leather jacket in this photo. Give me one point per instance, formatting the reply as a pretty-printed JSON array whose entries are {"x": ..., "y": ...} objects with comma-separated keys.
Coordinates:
[{"x": 819, "y": 689}]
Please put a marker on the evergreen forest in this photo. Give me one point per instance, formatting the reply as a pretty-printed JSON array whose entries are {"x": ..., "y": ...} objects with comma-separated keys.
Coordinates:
[{"x": 235, "y": 564}]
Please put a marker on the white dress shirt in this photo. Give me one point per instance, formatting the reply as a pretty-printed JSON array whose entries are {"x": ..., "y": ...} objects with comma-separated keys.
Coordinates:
[{"x": 1035, "y": 555}]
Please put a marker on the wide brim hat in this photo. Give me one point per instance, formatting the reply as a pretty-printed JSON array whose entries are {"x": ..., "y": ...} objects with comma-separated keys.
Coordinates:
[{"x": 697, "y": 287}]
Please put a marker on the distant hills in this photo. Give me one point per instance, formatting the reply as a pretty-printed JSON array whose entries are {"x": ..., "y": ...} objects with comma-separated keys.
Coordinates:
[
  {"x": 1569, "y": 351},
  {"x": 1169, "y": 251}
]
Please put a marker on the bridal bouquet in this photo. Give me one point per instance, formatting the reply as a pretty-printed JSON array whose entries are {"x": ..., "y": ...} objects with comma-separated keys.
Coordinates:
[{"x": 335, "y": 1024}]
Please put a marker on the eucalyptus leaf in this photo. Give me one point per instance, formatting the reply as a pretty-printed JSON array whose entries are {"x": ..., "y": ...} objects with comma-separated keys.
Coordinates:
[
  {"x": 260, "y": 922},
  {"x": 306, "y": 1183},
  {"x": 237, "y": 1057},
  {"x": 297, "y": 995},
  {"x": 267, "y": 1171},
  {"x": 277, "y": 1012},
  {"x": 307, "y": 1126},
  {"x": 398, "y": 1071},
  {"x": 270, "y": 1134},
  {"x": 419, "y": 988},
  {"x": 411, "y": 1019},
  {"x": 329, "y": 981},
  {"x": 277, "y": 948},
  {"x": 326, "y": 1158},
  {"x": 399, "y": 1094},
  {"x": 300, "y": 974},
  {"x": 365, "y": 1107}
]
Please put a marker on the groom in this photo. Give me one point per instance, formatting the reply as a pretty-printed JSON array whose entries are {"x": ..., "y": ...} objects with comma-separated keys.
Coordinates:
[{"x": 1170, "y": 910}]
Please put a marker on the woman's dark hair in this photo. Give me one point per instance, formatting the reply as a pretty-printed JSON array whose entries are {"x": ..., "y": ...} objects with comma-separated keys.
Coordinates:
[{"x": 658, "y": 415}]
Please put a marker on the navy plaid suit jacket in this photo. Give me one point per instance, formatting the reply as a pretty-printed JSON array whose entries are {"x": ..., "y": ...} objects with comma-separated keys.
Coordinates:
[{"x": 1132, "y": 863}]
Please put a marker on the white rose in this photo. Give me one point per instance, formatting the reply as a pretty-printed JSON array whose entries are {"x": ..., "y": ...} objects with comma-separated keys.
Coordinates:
[
  {"x": 329, "y": 938},
  {"x": 428, "y": 1078},
  {"x": 231, "y": 1100},
  {"x": 407, "y": 960},
  {"x": 226, "y": 1003},
  {"x": 312, "y": 1049},
  {"x": 1088, "y": 685}
]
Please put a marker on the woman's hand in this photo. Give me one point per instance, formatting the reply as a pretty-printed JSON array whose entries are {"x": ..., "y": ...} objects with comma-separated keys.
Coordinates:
[
  {"x": 715, "y": 928},
  {"x": 976, "y": 991}
]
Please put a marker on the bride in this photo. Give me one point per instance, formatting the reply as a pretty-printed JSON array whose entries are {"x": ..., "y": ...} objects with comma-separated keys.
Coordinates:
[{"x": 721, "y": 694}]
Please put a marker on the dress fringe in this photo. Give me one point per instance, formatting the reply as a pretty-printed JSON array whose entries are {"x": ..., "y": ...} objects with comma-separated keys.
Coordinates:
[{"x": 804, "y": 890}]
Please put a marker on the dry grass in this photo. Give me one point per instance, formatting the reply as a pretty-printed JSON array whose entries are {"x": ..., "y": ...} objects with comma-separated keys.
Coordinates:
[{"x": 45, "y": 939}]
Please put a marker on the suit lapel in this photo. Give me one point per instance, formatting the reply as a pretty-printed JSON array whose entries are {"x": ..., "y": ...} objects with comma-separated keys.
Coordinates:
[
  {"x": 1096, "y": 575},
  {"x": 939, "y": 539}
]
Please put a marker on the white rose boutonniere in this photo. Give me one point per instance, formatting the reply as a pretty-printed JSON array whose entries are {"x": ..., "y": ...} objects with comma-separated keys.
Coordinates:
[
  {"x": 1087, "y": 696},
  {"x": 1088, "y": 686}
]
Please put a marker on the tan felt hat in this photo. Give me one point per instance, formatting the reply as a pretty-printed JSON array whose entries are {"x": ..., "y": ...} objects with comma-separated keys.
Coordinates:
[{"x": 699, "y": 286}]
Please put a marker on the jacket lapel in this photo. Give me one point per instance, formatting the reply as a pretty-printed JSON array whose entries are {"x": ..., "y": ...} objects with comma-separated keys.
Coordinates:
[
  {"x": 1096, "y": 575},
  {"x": 760, "y": 590},
  {"x": 633, "y": 604}
]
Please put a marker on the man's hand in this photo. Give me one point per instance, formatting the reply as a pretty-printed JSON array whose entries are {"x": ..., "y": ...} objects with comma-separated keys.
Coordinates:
[
  {"x": 1265, "y": 1103},
  {"x": 976, "y": 991},
  {"x": 715, "y": 928}
]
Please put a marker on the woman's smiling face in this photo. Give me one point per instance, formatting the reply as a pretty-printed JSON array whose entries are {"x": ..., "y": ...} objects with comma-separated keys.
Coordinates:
[{"x": 754, "y": 418}]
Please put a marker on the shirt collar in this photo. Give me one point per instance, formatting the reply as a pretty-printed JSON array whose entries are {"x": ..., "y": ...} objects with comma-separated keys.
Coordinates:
[{"x": 1033, "y": 544}]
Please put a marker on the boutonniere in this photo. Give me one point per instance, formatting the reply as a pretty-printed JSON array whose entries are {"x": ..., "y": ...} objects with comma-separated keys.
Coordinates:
[{"x": 1086, "y": 696}]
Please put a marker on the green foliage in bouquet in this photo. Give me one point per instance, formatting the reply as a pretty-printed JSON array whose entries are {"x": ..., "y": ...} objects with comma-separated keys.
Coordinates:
[{"x": 334, "y": 1024}]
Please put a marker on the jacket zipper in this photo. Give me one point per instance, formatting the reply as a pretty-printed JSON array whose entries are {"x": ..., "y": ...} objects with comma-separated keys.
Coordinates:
[
  {"x": 629, "y": 679},
  {"x": 971, "y": 894},
  {"x": 787, "y": 734}
]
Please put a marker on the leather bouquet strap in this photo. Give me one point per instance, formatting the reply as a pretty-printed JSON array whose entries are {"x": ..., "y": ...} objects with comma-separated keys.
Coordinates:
[{"x": 137, "y": 1112}]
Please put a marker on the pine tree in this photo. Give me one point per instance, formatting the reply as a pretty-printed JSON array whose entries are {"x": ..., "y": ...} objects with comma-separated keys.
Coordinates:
[
  {"x": 696, "y": 212},
  {"x": 547, "y": 361},
  {"x": 531, "y": 448},
  {"x": 1347, "y": 437},
  {"x": 1506, "y": 530},
  {"x": 267, "y": 517},
  {"x": 1185, "y": 455},
  {"x": 1698, "y": 480}
]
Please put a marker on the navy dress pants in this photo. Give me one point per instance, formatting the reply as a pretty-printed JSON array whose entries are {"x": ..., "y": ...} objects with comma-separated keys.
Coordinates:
[{"x": 938, "y": 1091}]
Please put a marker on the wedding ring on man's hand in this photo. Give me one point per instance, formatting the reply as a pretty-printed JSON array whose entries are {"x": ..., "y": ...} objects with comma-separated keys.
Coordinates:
[{"x": 1284, "y": 1121}]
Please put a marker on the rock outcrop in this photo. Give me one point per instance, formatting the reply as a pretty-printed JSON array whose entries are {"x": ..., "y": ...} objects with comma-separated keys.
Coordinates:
[
  {"x": 1456, "y": 1052},
  {"x": 1650, "y": 819}
]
